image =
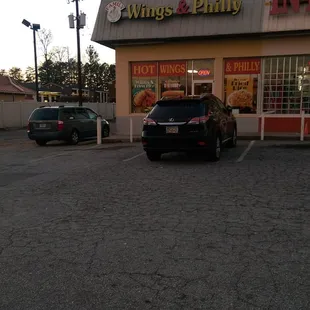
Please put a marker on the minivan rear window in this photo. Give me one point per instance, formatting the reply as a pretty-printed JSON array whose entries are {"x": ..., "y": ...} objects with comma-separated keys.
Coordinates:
[
  {"x": 177, "y": 109},
  {"x": 44, "y": 115}
]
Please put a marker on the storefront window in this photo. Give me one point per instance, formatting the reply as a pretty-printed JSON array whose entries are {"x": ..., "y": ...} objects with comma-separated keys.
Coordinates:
[
  {"x": 286, "y": 84},
  {"x": 172, "y": 78},
  {"x": 154, "y": 80},
  {"x": 144, "y": 86},
  {"x": 241, "y": 84}
]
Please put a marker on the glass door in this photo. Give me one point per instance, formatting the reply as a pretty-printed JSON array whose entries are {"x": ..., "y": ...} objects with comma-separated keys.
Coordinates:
[{"x": 202, "y": 87}]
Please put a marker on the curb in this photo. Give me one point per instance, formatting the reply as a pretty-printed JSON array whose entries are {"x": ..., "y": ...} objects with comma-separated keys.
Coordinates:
[
  {"x": 244, "y": 138},
  {"x": 120, "y": 140},
  {"x": 272, "y": 138},
  {"x": 111, "y": 140}
]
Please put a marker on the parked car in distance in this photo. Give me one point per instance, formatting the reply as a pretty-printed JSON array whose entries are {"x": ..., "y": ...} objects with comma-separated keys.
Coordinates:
[
  {"x": 64, "y": 123},
  {"x": 190, "y": 125}
]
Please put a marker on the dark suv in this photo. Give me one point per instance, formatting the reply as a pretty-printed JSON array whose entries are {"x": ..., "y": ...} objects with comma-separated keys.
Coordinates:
[
  {"x": 70, "y": 124},
  {"x": 189, "y": 125}
]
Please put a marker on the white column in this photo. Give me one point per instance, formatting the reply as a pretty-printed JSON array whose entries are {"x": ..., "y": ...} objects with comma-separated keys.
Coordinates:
[
  {"x": 262, "y": 128},
  {"x": 302, "y": 126},
  {"x": 99, "y": 129}
]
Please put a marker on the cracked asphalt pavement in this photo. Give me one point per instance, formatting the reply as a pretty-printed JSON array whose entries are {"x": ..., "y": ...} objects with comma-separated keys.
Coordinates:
[{"x": 89, "y": 227}]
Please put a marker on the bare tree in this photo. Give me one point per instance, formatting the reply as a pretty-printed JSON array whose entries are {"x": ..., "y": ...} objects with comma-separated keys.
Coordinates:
[
  {"x": 45, "y": 39},
  {"x": 60, "y": 54}
]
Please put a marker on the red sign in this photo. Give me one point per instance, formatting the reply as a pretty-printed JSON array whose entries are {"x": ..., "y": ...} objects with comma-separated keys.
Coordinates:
[
  {"x": 281, "y": 6},
  {"x": 243, "y": 66},
  {"x": 144, "y": 69},
  {"x": 172, "y": 68},
  {"x": 204, "y": 72}
]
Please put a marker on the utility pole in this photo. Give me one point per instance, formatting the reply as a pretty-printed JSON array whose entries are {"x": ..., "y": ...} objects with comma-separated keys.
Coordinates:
[
  {"x": 36, "y": 63},
  {"x": 80, "y": 23}
]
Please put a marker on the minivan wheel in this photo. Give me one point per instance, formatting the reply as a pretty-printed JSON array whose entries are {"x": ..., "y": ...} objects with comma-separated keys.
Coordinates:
[
  {"x": 41, "y": 142},
  {"x": 153, "y": 156},
  {"x": 233, "y": 141},
  {"x": 215, "y": 152},
  {"x": 74, "y": 137}
]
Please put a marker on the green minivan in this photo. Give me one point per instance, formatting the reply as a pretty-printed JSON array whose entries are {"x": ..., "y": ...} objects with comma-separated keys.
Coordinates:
[{"x": 64, "y": 123}]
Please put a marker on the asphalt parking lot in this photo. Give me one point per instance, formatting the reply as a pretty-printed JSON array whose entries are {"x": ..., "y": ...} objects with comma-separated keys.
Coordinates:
[{"x": 87, "y": 227}]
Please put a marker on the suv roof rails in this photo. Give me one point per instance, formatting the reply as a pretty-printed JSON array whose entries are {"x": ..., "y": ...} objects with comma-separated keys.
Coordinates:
[{"x": 61, "y": 106}]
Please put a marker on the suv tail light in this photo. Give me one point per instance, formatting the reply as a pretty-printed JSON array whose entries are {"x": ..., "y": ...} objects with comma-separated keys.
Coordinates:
[
  {"x": 28, "y": 127},
  {"x": 198, "y": 120},
  {"x": 149, "y": 122},
  {"x": 60, "y": 125}
]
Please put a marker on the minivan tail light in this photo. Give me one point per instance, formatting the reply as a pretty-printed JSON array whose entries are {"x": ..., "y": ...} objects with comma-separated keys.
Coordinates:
[
  {"x": 60, "y": 125},
  {"x": 198, "y": 120},
  {"x": 149, "y": 122}
]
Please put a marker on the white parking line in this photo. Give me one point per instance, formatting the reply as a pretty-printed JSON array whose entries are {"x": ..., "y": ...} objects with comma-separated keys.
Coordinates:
[
  {"x": 131, "y": 158},
  {"x": 47, "y": 157},
  {"x": 246, "y": 151}
]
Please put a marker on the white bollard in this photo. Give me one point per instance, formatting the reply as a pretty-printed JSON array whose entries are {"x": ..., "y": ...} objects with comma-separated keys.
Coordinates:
[
  {"x": 130, "y": 130},
  {"x": 99, "y": 129},
  {"x": 262, "y": 128},
  {"x": 302, "y": 126}
]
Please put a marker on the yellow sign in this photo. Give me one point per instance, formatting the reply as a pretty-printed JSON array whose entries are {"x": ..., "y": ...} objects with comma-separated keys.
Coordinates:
[
  {"x": 139, "y": 11},
  {"x": 239, "y": 92},
  {"x": 218, "y": 6}
]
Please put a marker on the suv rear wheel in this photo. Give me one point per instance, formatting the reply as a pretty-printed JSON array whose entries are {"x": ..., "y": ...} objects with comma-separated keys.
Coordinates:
[
  {"x": 233, "y": 141},
  {"x": 41, "y": 142},
  {"x": 215, "y": 152},
  {"x": 153, "y": 156}
]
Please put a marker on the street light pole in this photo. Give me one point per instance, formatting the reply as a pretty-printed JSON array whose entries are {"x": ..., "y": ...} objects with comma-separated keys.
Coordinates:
[
  {"x": 35, "y": 63},
  {"x": 34, "y": 28},
  {"x": 79, "y": 52}
]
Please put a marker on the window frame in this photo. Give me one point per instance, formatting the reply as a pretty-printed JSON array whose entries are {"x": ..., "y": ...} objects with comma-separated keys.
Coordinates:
[
  {"x": 283, "y": 90},
  {"x": 63, "y": 113},
  {"x": 92, "y": 111},
  {"x": 77, "y": 113}
]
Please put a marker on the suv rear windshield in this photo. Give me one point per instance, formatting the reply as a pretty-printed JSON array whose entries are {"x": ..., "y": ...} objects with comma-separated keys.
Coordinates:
[
  {"x": 177, "y": 109},
  {"x": 45, "y": 115}
]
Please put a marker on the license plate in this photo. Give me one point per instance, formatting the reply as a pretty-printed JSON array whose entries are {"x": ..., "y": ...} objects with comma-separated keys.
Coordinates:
[
  {"x": 172, "y": 129},
  {"x": 42, "y": 125}
]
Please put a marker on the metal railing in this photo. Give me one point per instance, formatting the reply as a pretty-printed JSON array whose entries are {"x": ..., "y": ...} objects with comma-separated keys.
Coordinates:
[{"x": 271, "y": 114}]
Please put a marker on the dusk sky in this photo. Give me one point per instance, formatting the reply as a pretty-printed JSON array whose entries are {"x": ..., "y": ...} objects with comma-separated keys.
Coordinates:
[{"x": 16, "y": 40}]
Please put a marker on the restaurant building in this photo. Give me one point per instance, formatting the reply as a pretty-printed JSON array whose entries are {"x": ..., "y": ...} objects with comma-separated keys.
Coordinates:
[{"x": 254, "y": 55}]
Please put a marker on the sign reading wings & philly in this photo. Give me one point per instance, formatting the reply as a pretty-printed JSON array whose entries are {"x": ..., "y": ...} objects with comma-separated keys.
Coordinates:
[{"x": 184, "y": 7}]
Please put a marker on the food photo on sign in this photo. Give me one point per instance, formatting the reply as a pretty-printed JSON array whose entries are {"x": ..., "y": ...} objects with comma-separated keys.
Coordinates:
[
  {"x": 172, "y": 88},
  {"x": 239, "y": 94},
  {"x": 144, "y": 95},
  {"x": 144, "y": 86},
  {"x": 241, "y": 82}
]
